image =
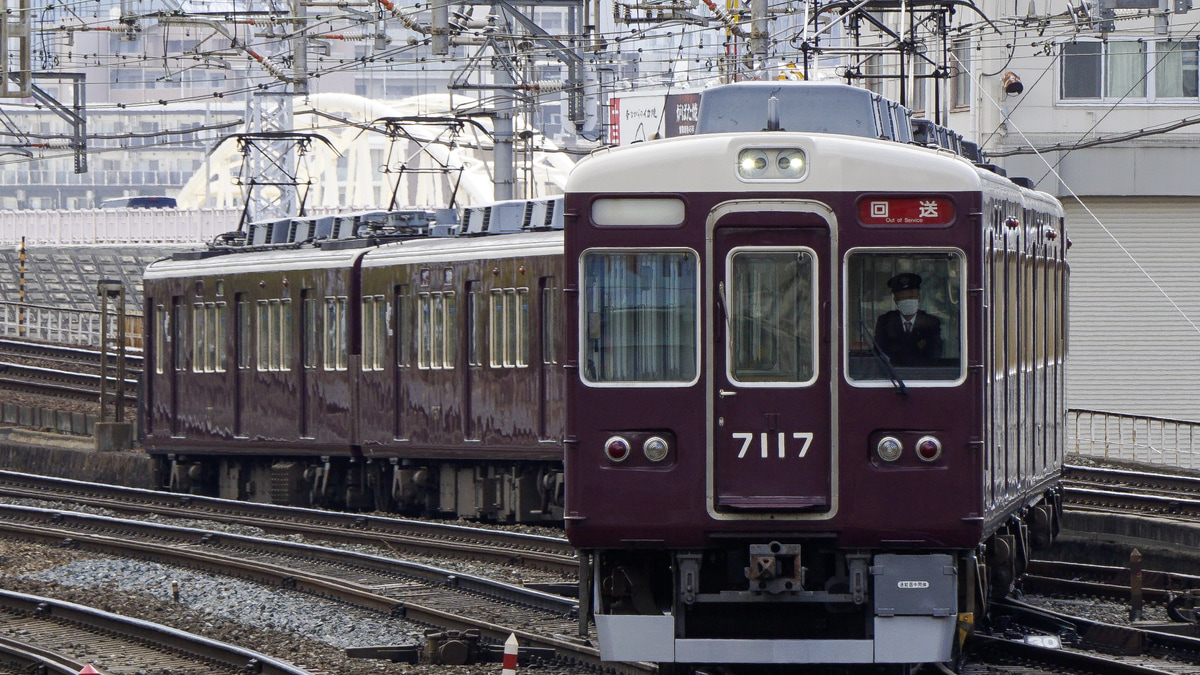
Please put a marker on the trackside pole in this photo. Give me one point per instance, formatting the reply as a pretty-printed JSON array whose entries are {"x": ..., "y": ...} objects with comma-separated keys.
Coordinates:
[
  {"x": 510, "y": 655},
  {"x": 89, "y": 670}
]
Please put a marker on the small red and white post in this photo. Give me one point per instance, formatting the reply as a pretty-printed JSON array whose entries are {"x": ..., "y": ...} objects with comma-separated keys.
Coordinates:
[
  {"x": 510, "y": 655},
  {"x": 89, "y": 670}
]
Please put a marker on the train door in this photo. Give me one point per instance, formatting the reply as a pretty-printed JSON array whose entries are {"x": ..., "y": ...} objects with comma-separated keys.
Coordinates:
[
  {"x": 773, "y": 449},
  {"x": 308, "y": 356},
  {"x": 178, "y": 357},
  {"x": 472, "y": 327},
  {"x": 241, "y": 354},
  {"x": 549, "y": 355}
]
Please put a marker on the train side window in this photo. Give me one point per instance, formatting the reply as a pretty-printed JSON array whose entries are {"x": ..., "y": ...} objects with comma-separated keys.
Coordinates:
[
  {"x": 161, "y": 326},
  {"x": 374, "y": 332},
  {"x": 180, "y": 334},
  {"x": 274, "y": 333},
  {"x": 496, "y": 332},
  {"x": 424, "y": 331},
  {"x": 310, "y": 325},
  {"x": 449, "y": 339},
  {"x": 436, "y": 331},
  {"x": 475, "y": 324},
  {"x": 244, "y": 332},
  {"x": 402, "y": 324},
  {"x": 208, "y": 344},
  {"x": 888, "y": 336},
  {"x": 549, "y": 316},
  {"x": 335, "y": 333},
  {"x": 639, "y": 317}
]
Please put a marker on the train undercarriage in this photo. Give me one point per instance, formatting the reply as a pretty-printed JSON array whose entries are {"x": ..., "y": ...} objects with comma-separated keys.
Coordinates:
[
  {"x": 488, "y": 490},
  {"x": 806, "y": 600}
]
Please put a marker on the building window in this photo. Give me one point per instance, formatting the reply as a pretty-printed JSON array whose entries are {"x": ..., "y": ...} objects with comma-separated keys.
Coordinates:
[
  {"x": 1118, "y": 70},
  {"x": 960, "y": 82}
]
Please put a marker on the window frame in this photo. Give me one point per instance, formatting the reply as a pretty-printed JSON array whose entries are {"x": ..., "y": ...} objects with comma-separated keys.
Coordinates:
[
  {"x": 698, "y": 318},
  {"x": 1151, "y": 62},
  {"x": 964, "y": 326},
  {"x": 814, "y": 318}
]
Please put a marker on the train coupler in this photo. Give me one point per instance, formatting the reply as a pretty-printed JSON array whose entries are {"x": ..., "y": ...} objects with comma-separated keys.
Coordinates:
[{"x": 775, "y": 568}]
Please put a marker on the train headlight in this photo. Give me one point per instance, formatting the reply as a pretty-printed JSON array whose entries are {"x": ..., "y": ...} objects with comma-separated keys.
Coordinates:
[
  {"x": 617, "y": 449},
  {"x": 889, "y": 448},
  {"x": 790, "y": 163},
  {"x": 752, "y": 163},
  {"x": 655, "y": 448},
  {"x": 929, "y": 448}
]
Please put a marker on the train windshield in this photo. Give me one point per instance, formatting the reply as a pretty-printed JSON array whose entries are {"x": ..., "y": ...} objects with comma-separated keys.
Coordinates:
[
  {"x": 639, "y": 317},
  {"x": 904, "y": 313}
]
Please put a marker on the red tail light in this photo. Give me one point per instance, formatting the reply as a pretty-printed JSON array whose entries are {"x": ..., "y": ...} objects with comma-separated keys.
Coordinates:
[
  {"x": 617, "y": 449},
  {"x": 929, "y": 448}
]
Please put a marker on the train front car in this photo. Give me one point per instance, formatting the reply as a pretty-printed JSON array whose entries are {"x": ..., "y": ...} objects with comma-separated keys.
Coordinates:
[{"x": 764, "y": 463}]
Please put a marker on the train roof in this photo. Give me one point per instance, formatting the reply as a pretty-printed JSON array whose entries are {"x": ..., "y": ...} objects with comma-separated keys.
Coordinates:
[
  {"x": 282, "y": 259},
  {"x": 429, "y": 249},
  {"x": 440, "y": 249},
  {"x": 836, "y": 163},
  {"x": 824, "y": 107}
]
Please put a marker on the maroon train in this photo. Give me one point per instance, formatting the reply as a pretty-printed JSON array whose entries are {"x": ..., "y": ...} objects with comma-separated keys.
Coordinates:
[
  {"x": 758, "y": 471},
  {"x": 422, "y": 375}
]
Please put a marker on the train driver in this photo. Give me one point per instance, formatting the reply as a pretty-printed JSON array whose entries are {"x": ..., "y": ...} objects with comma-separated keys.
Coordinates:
[{"x": 908, "y": 335}]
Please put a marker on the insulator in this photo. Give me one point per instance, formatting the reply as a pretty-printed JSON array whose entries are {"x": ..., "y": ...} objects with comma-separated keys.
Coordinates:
[
  {"x": 353, "y": 35},
  {"x": 546, "y": 86},
  {"x": 57, "y": 143},
  {"x": 274, "y": 69}
]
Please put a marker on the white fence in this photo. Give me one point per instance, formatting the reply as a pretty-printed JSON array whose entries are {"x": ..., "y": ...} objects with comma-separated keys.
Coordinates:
[
  {"x": 121, "y": 226},
  {"x": 79, "y": 327},
  {"x": 1134, "y": 438},
  {"x": 115, "y": 226}
]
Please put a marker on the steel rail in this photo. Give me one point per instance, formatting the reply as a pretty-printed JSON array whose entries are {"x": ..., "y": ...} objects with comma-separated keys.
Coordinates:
[
  {"x": 33, "y": 659},
  {"x": 65, "y": 353},
  {"x": 533, "y": 551},
  {"x": 1101, "y": 636},
  {"x": 361, "y": 595},
  {"x": 98, "y": 621}
]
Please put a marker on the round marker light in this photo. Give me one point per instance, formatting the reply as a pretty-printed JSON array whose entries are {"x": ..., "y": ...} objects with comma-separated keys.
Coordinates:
[
  {"x": 889, "y": 449},
  {"x": 617, "y": 449},
  {"x": 655, "y": 449},
  {"x": 929, "y": 448},
  {"x": 752, "y": 163},
  {"x": 790, "y": 163}
]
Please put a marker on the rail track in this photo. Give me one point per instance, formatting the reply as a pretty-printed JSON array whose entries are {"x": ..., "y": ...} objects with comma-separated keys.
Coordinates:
[
  {"x": 62, "y": 372},
  {"x": 447, "y": 600},
  {"x": 1026, "y": 634},
  {"x": 548, "y": 554},
  {"x": 1050, "y": 577},
  {"x": 45, "y": 628},
  {"x": 1132, "y": 491}
]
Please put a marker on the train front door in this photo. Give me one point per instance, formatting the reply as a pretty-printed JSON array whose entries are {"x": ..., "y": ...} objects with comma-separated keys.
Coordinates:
[{"x": 772, "y": 448}]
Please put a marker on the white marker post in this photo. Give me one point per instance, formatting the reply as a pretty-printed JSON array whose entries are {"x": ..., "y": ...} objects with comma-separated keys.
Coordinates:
[{"x": 510, "y": 655}]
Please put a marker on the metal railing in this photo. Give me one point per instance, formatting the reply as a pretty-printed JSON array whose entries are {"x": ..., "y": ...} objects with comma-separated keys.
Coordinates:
[
  {"x": 1135, "y": 438},
  {"x": 80, "y": 327}
]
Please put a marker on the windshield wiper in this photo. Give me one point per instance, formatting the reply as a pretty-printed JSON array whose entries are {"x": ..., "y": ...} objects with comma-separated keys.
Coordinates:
[{"x": 883, "y": 358}]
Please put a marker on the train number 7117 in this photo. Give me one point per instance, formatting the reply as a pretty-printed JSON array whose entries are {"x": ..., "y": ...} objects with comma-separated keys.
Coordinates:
[{"x": 781, "y": 440}]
